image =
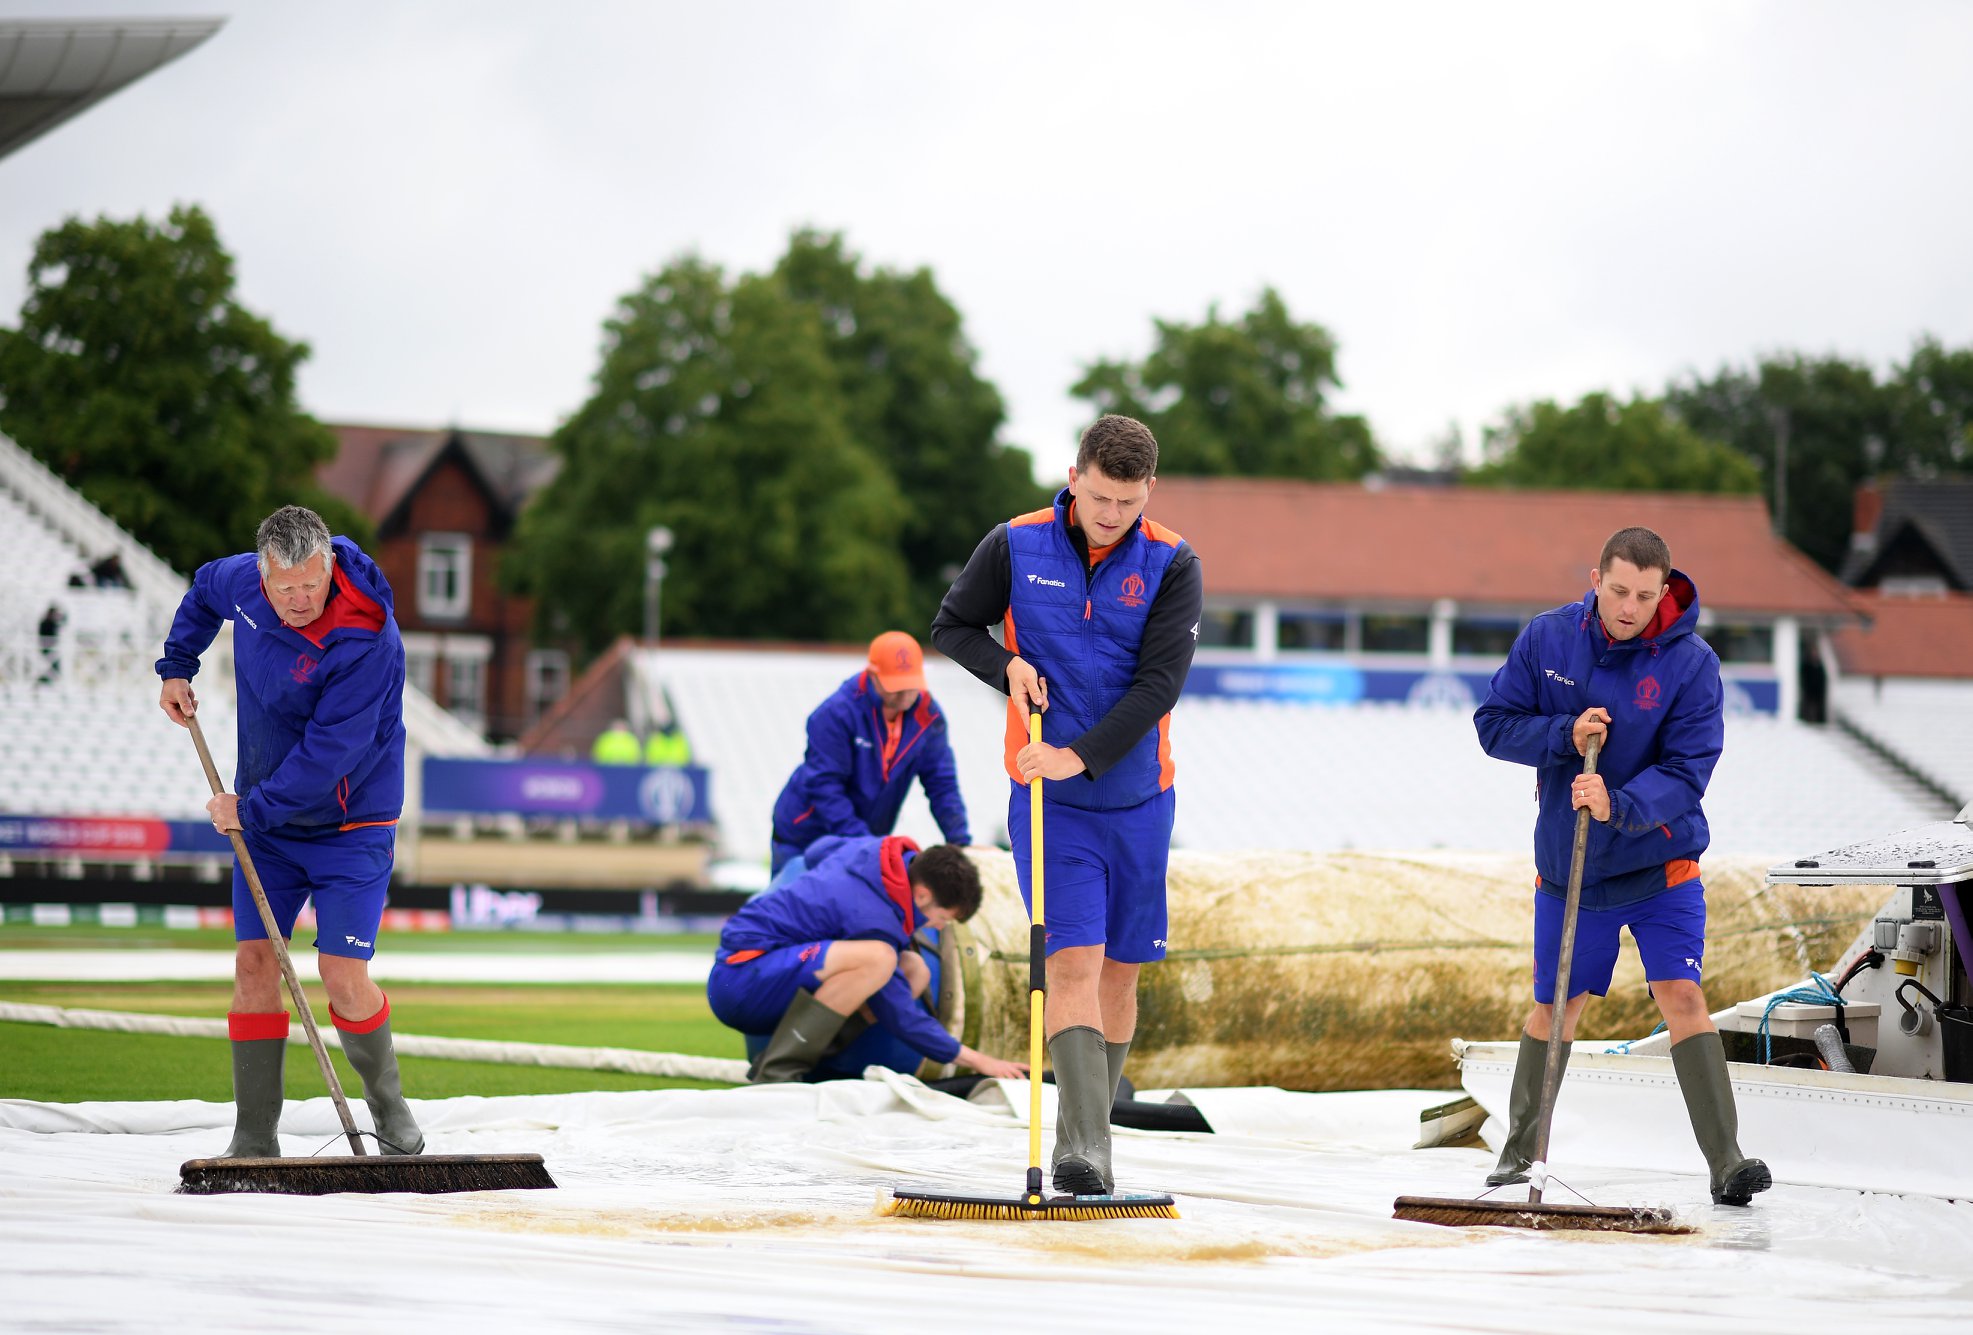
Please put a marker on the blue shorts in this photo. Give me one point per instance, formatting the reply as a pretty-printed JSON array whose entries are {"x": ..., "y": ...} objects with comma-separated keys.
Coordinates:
[
  {"x": 752, "y": 996},
  {"x": 1670, "y": 930},
  {"x": 1105, "y": 873},
  {"x": 346, "y": 873}
]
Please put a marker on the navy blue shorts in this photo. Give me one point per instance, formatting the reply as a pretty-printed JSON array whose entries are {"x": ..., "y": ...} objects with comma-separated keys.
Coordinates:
[
  {"x": 753, "y": 995},
  {"x": 1105, "y": 873},
  {"x": 346, "y": 873},
  {"x": 1670, "y": 930}
]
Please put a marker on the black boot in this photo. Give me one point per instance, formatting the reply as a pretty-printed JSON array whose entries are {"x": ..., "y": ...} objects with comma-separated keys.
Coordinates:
[
  {"x": 376, "y": 1061},
  {"x": 798, "y": 1043},
  {"x": 1523, "y": 1107},
  {"x": 1082, "y": 1112},
  {"x": 1701, "y": 1065},
  {"x": 257, "y": 1072}
]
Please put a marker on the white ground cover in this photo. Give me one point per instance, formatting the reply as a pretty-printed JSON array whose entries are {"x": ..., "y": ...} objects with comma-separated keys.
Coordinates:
[{"x": 754, "y": 1208}]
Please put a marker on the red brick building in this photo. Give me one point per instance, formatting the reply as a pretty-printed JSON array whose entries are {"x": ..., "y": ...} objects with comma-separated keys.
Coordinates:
[{"x": 444, "y": 503}]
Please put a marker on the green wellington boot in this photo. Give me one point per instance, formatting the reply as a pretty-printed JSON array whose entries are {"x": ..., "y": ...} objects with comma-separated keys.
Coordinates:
[
  {"x": 799, "y": 1041},
  {"x": 1701, "y": 1065},
  {"x": 1115, "y": 1053},
  {"x": 376, "y": 1061},
  {"x": 257, "y": 1070},
  {"x": 1082, "y": 1112},
  {"x": 1523, "y": 1106}
]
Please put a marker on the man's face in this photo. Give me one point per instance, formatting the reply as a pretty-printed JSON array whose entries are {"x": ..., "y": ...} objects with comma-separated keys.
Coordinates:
[
  {"x": 1626, "y": 597},
  {"x": 298, "y": 592},
  {"x": 934, "y": 914},
  {"x": 896, "y": 702},
  {"x": 1105, "y": 507}
]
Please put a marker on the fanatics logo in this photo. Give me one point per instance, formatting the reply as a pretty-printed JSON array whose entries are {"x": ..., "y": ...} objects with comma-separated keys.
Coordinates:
[
  {"x": 1648, "y": 692},
  {"x": 1133, "y": 593},
  {"x": 1051, "y": 583}
]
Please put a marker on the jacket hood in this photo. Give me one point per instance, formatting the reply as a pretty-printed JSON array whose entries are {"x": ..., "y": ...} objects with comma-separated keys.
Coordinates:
[{"x": 362, "y": 573}]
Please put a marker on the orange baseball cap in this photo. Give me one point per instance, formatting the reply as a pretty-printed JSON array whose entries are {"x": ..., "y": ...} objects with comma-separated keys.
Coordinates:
[{"x": 898, "y": 662}]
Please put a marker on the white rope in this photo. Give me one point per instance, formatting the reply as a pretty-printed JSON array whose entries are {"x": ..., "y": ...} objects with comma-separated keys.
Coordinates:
[{"x": 667, "y": 1065}]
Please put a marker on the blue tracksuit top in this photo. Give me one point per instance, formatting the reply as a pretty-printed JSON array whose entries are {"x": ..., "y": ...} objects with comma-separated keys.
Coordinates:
[
  {"x": 1667, "y": 728},
  {"x": 1081, "y": 628},
  {"x": 855, "y": 889},
  {"x": 846, "y": 786},
  {"x": 321, "y": 710}
]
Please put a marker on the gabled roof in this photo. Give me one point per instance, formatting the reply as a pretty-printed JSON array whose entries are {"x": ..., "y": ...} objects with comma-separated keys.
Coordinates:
[
  {"x": 1914, "y": 636},
  {"x": 376, "y": 468},
  {"x": 1481, "y": 547},
  {"x": 1934, "y": 512}
]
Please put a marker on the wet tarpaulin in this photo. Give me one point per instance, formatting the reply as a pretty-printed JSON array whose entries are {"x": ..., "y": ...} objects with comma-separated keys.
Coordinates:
[{"x": 697, "y": 1209}]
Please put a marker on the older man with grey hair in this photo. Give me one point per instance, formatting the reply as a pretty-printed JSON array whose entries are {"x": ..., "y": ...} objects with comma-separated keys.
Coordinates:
[{"x": 319, "y": 667}]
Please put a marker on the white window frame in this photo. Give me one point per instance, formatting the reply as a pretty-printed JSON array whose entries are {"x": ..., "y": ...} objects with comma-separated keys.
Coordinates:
[
  {"x": 444, "y": 556},
  {"x": 466, "y": 658}
]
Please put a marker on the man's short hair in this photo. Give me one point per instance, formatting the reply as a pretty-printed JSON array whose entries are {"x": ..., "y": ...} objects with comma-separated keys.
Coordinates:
[
  {"x": 1639, "y": 546},
  {"x": 950, "y": 875},
  {"x": 1122, "y": 448},
  {"x": 291, "y": 535}
]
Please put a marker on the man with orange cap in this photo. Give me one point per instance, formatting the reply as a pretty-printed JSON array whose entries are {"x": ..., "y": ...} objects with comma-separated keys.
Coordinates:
[{"x": 866, "y": 742}]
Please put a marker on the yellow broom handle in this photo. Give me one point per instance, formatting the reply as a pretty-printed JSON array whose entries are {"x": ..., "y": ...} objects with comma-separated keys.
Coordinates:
[{"x": 1037, "y": 968}]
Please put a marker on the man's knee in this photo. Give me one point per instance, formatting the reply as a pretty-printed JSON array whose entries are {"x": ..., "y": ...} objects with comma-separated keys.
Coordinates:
[{"x": 347, "y": 981}]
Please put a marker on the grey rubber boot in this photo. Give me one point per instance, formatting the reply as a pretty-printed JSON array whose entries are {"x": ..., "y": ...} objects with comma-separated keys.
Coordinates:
[
  {"x": 1523, "y": 1107},
  {"x": 376, "y": 1061},
  {"x": 799, "y": 1041},
  {"x": 1082, "y": 1112},
  {"x": 1701, "y": 1065},
  {"x": 1115, "y": 1054},
  {"x": 257, "y": 1072}
]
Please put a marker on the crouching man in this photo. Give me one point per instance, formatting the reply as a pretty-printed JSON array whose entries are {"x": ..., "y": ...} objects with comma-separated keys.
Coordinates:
[{"x": 812, "y": 963}]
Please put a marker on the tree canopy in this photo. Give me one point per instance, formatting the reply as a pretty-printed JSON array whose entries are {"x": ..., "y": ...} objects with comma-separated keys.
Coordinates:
[
  {"x": 816, "y": 438},
  {"x": 1606, "y": 444},
  {"x": 1244, "y": 398},
  {"x": 138, "y": 378}
]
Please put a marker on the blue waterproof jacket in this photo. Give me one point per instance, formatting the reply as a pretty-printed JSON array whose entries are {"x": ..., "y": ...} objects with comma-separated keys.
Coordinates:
[
  {"x": 1662, "y": 691},
  {"x": 855, "y": 889},
  {"x": 321, "y": 710},
  {"x": 845, "y": 785},
  {"x": 1081, "y": 627}
]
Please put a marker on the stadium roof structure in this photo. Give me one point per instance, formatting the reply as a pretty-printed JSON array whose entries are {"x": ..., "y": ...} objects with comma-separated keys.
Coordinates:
[
  {"x": 52, "y": 69},
  {"x": 1353, "y": 543},
  {"x": 1918, "y": 635},
  {"x": 377, "y": 468}
]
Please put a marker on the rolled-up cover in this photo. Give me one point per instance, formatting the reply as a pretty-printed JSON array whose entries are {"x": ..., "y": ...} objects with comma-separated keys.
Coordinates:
[{"x": 1325, "y": 971}]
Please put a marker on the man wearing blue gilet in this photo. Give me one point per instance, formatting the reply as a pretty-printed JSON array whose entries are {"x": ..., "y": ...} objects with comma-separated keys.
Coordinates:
[
  {"x": 1101, "y": 613},
  {"x": 1625, "y": 665}
]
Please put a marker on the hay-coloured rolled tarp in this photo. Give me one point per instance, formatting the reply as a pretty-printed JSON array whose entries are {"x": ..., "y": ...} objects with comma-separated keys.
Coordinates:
[{"x": 1326, "y": 971}]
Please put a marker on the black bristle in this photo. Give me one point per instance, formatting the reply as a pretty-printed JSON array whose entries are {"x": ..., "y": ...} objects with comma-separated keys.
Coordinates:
[{"x": 426, "y": 1174}]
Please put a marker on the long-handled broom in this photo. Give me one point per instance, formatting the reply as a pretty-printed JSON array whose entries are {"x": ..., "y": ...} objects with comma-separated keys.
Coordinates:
[
  {"x": 1033, "y": 1202},
  {"x": 318, "y": 1176},
  {"x": 1534, "y": 1212}
]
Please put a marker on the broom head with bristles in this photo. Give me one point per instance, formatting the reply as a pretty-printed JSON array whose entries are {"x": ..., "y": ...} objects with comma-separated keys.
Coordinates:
[
  {"x": 1460, "y": 1213},
  {"x": 428, "y": 1174},
  {"x": 1033, "y": 1206}
]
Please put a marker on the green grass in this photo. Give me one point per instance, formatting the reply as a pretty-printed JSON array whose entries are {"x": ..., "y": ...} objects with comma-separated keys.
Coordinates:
[
  {"x": 73, "y": 1065},
  {"x": 151, "y": 937}
]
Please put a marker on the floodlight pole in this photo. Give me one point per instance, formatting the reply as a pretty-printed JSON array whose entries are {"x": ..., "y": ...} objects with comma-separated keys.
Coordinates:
[{"x": 657, "y": 541}]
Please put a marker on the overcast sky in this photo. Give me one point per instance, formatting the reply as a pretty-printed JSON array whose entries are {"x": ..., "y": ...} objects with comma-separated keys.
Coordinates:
[{"x": 1484, "y": 203}]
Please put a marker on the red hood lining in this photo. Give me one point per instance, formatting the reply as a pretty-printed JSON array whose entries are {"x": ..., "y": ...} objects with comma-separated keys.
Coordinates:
[{"x": 897, "y": 881}]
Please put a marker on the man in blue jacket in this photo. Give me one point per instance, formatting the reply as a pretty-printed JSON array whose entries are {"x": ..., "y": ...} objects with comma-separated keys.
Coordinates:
[
  {"x": 1100, "y": 609},
  {"x": 866, "y": 743},
  {"x": 319, "y": 668},
  {"x": 1624, "y": 665},
  {"x": 799, "y": 961}
]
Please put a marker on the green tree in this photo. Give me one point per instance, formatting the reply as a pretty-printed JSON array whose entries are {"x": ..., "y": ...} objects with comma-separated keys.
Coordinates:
[
  {"x": 1815, "y": 426},
  {"x": 1607, "y": 445},
  {"x": 717, "y": 413},
  {"x": 1247, "y": 398},
  {"x": 1931, "y": 408},
  {"x": 914, "y": 398},
  {"x": 138, "y": 378}
]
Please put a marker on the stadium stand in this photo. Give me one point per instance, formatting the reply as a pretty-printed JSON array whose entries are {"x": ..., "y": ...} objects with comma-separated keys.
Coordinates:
[
  {"x": 1271, "y": 774},
  {"x": 1926, "y": 723}
]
